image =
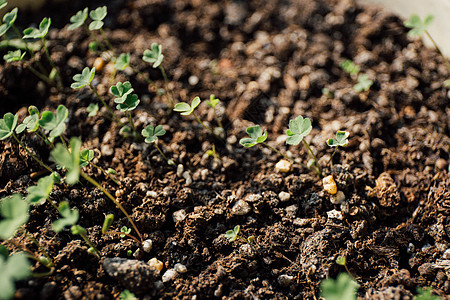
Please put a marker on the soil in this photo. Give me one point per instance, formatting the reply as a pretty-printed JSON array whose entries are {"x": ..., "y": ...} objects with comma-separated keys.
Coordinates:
[{"x": 268, "y": 61}]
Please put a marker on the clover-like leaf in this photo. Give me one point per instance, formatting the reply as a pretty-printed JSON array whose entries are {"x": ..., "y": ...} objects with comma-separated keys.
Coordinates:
[
  {"x": 256, "y": 136},
  {"x": 130, "y": 103},
  {"x": 69, "y": 160},
  {"x": 341, "y": 139},
  {"x": 13, "y": 268},
  {"x": 78, "y": 19},
  {"x": 83, "y": 79},
  {"x": 54, "y": 122},
  {"x": 232, "y": 234},
  {"x": 185, "y": 109},
  {"x": 97, "y": 16},
  {"x": 364, "y": 83},
  {"x": 213, "y": 101},
  {"x": 37, "y": 194},
  {"x": 126, "y": 230},
  {"x": 31, "y": 122},
  {"x": 14, "y": 212},
  {"x": 153, "y": 56},
  {"x": 343, "y": 288},
  {"x": 298, "y": 129},
  {"x": 38, "y": 33},
  {"x": 14, "y": 56},
  {"x": 418, "y": 27},
  {"x": 7, "y": 125},
  {"x": 69, "y": 217},
  {"x": 121, "y": 91},
  {"x": 151, "y": 133},
  {"x": 8, "y": 21},
  {"x": 92, "y": 109},
  {"x": 350, "y": 67},
  {"x": 122, "y": 62},
  {"x": 86, "y": 155}
]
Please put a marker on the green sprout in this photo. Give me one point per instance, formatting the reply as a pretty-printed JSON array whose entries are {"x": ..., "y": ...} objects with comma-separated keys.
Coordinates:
[
  {"x": 37, "y": 194},
  {"x": 92, "y": 109},
  {"x": 343, "y": 288},
  {"x": 86, "y": 156},
  {"x": 14, "y": 56},
  {"x": 341, "y": 140},
  {"x": 31, "y": 122},
  {"x": 326, "y": 92},
  {"x": 3, "y": 3},
  {"x": 258, "y": 137},
  {"x": 126, "y": 101},
  {"x": 151, "y": 135},
  {"x": 97, "y": 16},
  {"x": 122, "y": 62},
  {"x": 212, "y": 102},
  {"x": 232, "y": 234},
  {"x": 212, "y": 153},
  {"x": 125, "y": 230},
  {"x": 350, "y": 67},
  {"x": 78, "y": 19},
  {"x": 364, "y": 83},
  {"x": 83, "y": 79},
  {"x": 8, "y": 21},
  {"x": 419, "y": 27},
  {"x": 299, "y": 128},
  {"x": 55, "y": 123},
  {"x": 14, "y": 212},
  {"x": 127, "y": 295},
  {"x": 107, "y": 223},
  {"x": 425, "y": 294},
  {"x": 12, "y": 268},
  {"x": 185, "y": 110}
]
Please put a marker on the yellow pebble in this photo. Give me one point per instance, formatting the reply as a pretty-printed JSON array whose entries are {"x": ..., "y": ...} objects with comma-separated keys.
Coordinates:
[
  {"x": 156, "y": 264},
  {"x": 329, "y": 185},
  {"x": 283, "y": 166},
  {"x": 99, "y": 63}
]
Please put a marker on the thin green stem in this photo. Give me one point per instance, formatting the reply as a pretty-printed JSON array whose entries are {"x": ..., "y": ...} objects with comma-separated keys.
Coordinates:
[
  {"x": 31, "y": 238},
  {"x": 170, "y": 162},
  {"x": 217, "y": 119},
  {"x": 31, "y": 154},
  {"x": 63, "y": 142},
  {"x": 123, "y": 233},
  {"x": 130, "y": 120},
  {"x": 204, "y": 126},
  {"x": 106, "y": 173},
  {"x": 166, "y": 81},
  {"x": 313, "y": 156},
  {"x": 102, "y": 32},
  {"x": 438, "y": 49},
  {"x": 334, "y": 152},
  {"x": 45, "y": 138},
  {"x": 88, "y": 241},
  {"x": 39, "y": 74},
  {"x": 96, "y": 184},
  {"x": 277, "y": 151},
  {"x": 50, "y": 60},
  {"x": 105, "y": 105},
  {"x": 102, "y": 47}
]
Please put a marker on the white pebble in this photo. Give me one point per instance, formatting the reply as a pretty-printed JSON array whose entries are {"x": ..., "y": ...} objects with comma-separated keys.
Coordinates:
[
  {"x": 169, "y": 275},
  {"x": 152, "y": 194},
  {"x": 338, "y": 198},
  {"x": 179, "y": 215},
  {"x": 253, "y": 197},
  {"x": 180, "y": 268},
  {"x": 284, "y": 196},
  {"x": 147, "y": 245},
  {"x": 334, "y": 214},
  {"x": 193, "y": 80},
  {"x": 187, "y": 176},
  {"x": 283, "y": 166},
  {"x": 240, "y": 208},
  {"x": 285, "y": 280},
  {"x": 180, "y": 170}
]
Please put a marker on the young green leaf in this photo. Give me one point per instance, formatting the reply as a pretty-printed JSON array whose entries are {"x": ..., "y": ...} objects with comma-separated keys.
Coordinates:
[
  {"x": 256, "y": 136},
  {"x": 35, "y": 33},
  {"x": 341, "y": 139},
  {"x": 14, "y": 56},
  {"x": 55, "y": 123},
  {"x": 364, "y": 83},
  {"x": 97, "y": 16},
  {"x": 8, "y": 21},
  {"x": 126, "y": 230},
  {"x": 37, "y": 194},
  {"x": 13, "y": 268},
  {"x": 151, "y": 133},
  {"x": 213, "y": 101},
  {"x": 7, "y": 125},
  {"x": 3, "y": 3},
  {"x": 232, "y": 234},
  {"x": 78, "y": 19},
  {"x": 185, "y": 109},
  {"x": 298, "y": 129},
  {"x": 14, "y": 212},
  {"x": 122, "y": 62},
  {"x": 153, "y": 56},
  {"x": 69, "y": 217},
  {"x": 86, "y": 156},
  {"x": 77, "y": 229},
  {"x": 127, "y": 295},
  {"x": 31, "y": 122},
  {"x": 92, "y": 109},
  {"x": 69, "y": 160},
  {"x": 83, "y": 79},
  {"x": 343, "y": 288},
  {"x": 340, "y": 260},
  {"x": 418, "y": 27},
  {"x": 125, "y": 131},
  {"x": 121, "y": 91},
  {"x": 350, "y": 67},
  {"x": 107, "y": 223},
  {"x": 111, "y": 171},
  {"x": 425, "y": 294}
]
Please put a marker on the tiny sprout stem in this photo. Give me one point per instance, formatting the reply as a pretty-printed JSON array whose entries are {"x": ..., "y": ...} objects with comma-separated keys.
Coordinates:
[
  {"x": 50, "y": 60},
  {"x": 126, "y": 234},
  {"x": 108, "y": 44},
  {"x": 277, "y": 151},
  {"x": 148, "y": 80},
  {"x": 31, "y": 238},
  {"x": 204, "y": 126},
  {"x": 103, "y": 171},
  {"x": 334, "y": 152},
  {"x": 96, "y": 184},
  {"x": 43, "y": 136},
  {"x": 31, "y": 154},
  {"x": 438, "y": 49},
  {"x": 39, "y": 75},
  {"x": 105, "y": 105},
  {"x": 311, "y": 153},
  {"x": 217, "y": 119},
  {"x": 95, "y": 37},
  {"x": 166, "y": 81},
  {"x": 88, "y": 241},
  {"x": 130, "y": 120},
  {"x": 63, "y": 142},
  {"x": 160, "y": 151}
]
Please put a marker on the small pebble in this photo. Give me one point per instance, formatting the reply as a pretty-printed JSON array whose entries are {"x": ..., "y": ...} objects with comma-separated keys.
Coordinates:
[
  {"x": 180, "y": 268},
  {"x": 156, "y": 264},
  {"x": 152, "y": 194},
  {"x": 446, "y": 254},
  {"x": 334, "y": 214},
  {"x": 179, "y": 215},
  {"x": 329, "y": 184},
  {"x": 284, "y": 196},
  {"x": 180, "y": 170},
  {"x": 169, "y": 275},
  {"x": 283, "y": 166},
  {"x": 187, "y": 176},
  {"x": 285, "y": 280},
  {"x": 99, "y": 63},
  {"x": 147, "y": 245},
  {"x": 441, "y": 163},
  {"x": 339, "y": 198},
  {"x": 193, "y": 80},
  {"x": 240, "y": 208}
]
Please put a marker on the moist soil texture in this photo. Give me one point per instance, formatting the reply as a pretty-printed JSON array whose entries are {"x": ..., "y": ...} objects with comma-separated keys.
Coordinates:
[{"x": 268, "y": 62}]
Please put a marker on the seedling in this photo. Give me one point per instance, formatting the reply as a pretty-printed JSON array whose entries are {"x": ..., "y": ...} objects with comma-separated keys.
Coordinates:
[
  {"x": 97, "y": 17},
  {"x": 14, "y": 56},
  {"x": 71, "y": 162},
  {"x": 127, "y": 295},
  {"x": 419, "y": 27},
  {"x": 350, "y": 67},
  {"x": 326, "y": 92},
  {"x": 12, "y": 268},
  {"x": 341, "y": 140},
  {"x": 78, "y": 20},
  {"x": 212, "y": 102},
  {"x": 86, "y": 157},
  {"x": 92, "y": 109},
  {"x": 8, "y": 21},
  {"x": 425, "y": 294},
  {"x": 258, "y": 137},
  {"x": 55, "y": 123},
  {"x": 233, "y": 234},
  {"x": 39, "y": 193},
  {"x": 299, "y": 128},
  {"x": 126, "y": 101},
  {"x": 123, "y": 62},
  {"x": 342, "y": 261},
  {"x": 212, "y": 153},
  {"x": 343, "y": 288},
  {"x": 364, "y": 83},
  {"x": 14, "y": 212},
  {"x": 125, "y": 231},
  {"x": 151, "y": 135},
  {"x": 3, "y": 3}
]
